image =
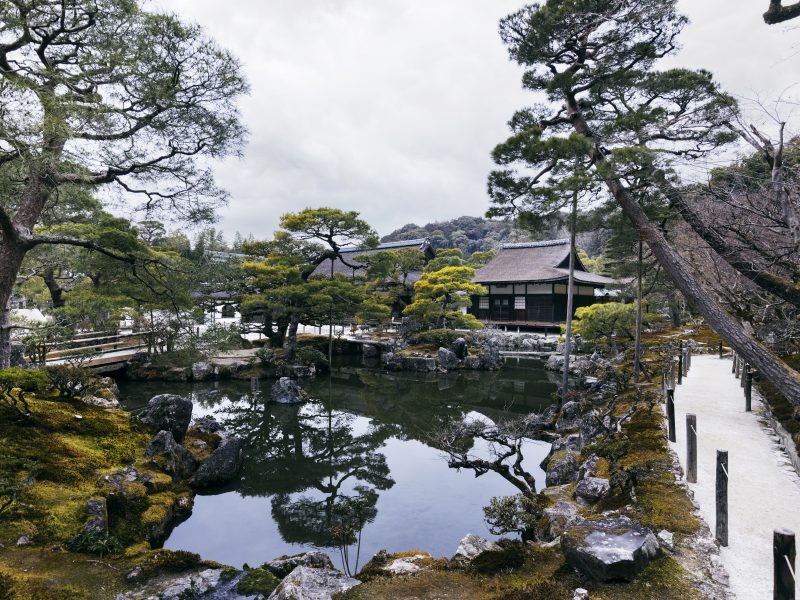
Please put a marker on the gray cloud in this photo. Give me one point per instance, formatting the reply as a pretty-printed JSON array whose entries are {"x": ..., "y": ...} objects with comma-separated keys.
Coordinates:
[{"x": 392, "y": 107}]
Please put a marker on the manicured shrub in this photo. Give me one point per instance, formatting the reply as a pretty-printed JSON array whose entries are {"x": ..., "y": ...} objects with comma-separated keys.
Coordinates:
[
  {"x": 311, "y": 356},
  {"x": 27, "y": 381},
  {"x": 441, "y": 338},
  {"x": 71, "y": 381}
]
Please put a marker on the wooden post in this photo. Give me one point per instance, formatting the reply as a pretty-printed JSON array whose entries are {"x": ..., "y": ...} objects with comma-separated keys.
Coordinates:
[
  {"x": 680, "y": 365},
  {"x": 254, "y": 384},
  {"x": 745, "y": 368},
  {"x": 687, "y": 363},
  {"x": 720, "y": 349},
  {"x": 722, "y": 497},
  {"x": 691, "y": 448},
  {"x": 671, "y": 414},
  {"x": 733, "y": 364},
  {"x": 737, "y": 367},
  {"x": 783, "y": 555},
  {"x": 748, "y": 390}
]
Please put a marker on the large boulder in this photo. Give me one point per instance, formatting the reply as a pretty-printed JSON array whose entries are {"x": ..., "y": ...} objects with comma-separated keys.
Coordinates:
[
  {"x": 283, "y": 565},
  {"x": 471, "y": 546},
  {"x": 169, "y": 456},
  {"x": 555, "y": 520},
  {"x": 611, "y": 549},
  {"x": 168, "y": 412},
  {"x": 459, "y": 348},
  {"x": 473, "y": 363},
  {"x": 98, "y": 515},
  {"x": 490, "y": 358},
  {"x": 562, "y": 468},
  {"x": 286, "y": 391},
  {"x": 447, "y": 359},
  {"x": 591, "y": 425},
  {"x": 222, "y": 466},
  {"x": 201, "y": 371},
  {"x": 589, "y": 467},
  {"x": 201, "y": 584},
  {"x": 306, "y": 583},
  {"x": 570, "y": 417},
  {"x": 392, "y": 360},
  {"x": 568, "y": 442},
  {"x": 592, "y": 489},
  {"x": 370, "y": 351},
  {"x": 423, "y": 364}
]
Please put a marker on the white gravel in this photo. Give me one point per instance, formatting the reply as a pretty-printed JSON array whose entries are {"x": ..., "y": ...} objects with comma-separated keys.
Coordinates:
[{"x": 763, "y": 490}]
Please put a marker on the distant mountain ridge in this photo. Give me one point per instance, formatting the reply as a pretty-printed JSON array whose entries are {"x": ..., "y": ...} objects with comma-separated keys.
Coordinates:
[{"x": 474, "y": 234}]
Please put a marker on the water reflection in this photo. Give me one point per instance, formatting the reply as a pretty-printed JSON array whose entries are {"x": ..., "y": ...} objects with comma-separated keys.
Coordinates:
[{"x": 362, "y": 441}]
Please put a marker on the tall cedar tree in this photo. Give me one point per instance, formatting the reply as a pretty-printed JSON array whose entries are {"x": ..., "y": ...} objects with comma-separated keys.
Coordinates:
[{"x": 608, "y": 112}]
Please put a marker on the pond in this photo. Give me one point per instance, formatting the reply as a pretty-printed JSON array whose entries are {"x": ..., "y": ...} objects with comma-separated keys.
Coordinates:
[{"x": 361, "y": 440}]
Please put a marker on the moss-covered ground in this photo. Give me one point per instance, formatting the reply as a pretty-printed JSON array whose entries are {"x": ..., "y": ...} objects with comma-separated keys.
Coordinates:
[{"x": 59, "y": 455}]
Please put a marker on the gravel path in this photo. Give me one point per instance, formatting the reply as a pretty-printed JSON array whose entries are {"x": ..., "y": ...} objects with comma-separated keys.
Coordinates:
[{"x": 763, "y": 490}]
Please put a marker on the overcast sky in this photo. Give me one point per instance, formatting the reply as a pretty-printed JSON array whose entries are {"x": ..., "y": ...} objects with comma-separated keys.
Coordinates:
[{"x": 391, "y": 107}]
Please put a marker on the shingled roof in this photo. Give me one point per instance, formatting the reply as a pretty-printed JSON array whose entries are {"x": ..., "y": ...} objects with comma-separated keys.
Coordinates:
[
  {"x": 349, "y": 254},
  {"x": 536, "y": 261}
]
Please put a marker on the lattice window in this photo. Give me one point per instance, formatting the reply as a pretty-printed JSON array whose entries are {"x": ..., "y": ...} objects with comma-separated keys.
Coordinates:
[
  {"x": 519, "y": 302},
  {"x": 483, "y": 303}
]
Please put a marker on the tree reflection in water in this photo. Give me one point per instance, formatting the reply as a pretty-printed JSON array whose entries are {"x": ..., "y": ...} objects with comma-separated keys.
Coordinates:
[{"x": 323, "y": 474}]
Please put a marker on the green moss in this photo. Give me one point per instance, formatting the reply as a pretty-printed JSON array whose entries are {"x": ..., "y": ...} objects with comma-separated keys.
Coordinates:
[
  {"x": 257, "y": 581},
  {"x": 510, "y": 557},
  {"x": 169, "y": 561}
]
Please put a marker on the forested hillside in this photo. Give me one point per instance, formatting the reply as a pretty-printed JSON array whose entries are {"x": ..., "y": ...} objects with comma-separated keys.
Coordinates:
[{"x": 477, "y": 234}]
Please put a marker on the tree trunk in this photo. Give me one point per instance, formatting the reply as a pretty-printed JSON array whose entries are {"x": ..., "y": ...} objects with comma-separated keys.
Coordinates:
[
  {"x": 291, "y": 338},
  {"x": 675, "y": 310},
  {"x": 56, "y": 291},
  {"x": 570, "y": 295},
  {"x": 774, "y": 369},
  {"x": 11, "y": 256},
  {"x": 637, "y": 350}
]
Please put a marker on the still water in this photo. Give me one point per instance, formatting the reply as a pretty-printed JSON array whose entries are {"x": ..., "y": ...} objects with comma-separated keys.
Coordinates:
[{"x": 363, "y": 436}]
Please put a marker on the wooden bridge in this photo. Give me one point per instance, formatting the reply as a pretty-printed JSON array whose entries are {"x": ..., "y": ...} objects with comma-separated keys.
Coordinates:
[{"x": 101, "y": 352}]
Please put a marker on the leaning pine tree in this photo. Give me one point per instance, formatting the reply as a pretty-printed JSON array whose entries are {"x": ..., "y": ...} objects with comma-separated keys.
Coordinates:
[
  {"x": 605, "y": 110},
  {"x": 103, "y": 94}
]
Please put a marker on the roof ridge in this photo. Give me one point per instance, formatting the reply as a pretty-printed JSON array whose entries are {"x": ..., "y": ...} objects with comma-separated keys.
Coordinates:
[{"x": 543, "y": 244}]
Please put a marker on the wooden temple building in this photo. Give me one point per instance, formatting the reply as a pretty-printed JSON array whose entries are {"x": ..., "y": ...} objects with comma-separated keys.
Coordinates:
[{"x": 527, "y": 285}]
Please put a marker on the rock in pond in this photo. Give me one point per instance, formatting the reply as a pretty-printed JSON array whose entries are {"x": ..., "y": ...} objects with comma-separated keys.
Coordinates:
[
  {"x": 170, "y": 456},
  {"x": 422, "y": 364},
  {"x": 370, "y": 351},
  {"x": 305, "y": 583},
  {"x": 447, "y": 359},
  {"x": 611, "y": 549},
  {"x": 202, "y": 371},
  {"x": 168, "y": 412},
  {"x": 286, "y": 391},
  {"x": 471, "y": 546},
  {"x": 592, "y": 489},
  {"x": 473, "y": 363},
  {"x": 283, "y": 565},
  {"x": 459, "y": 348},
  {"x": 222, "y": 466}
]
